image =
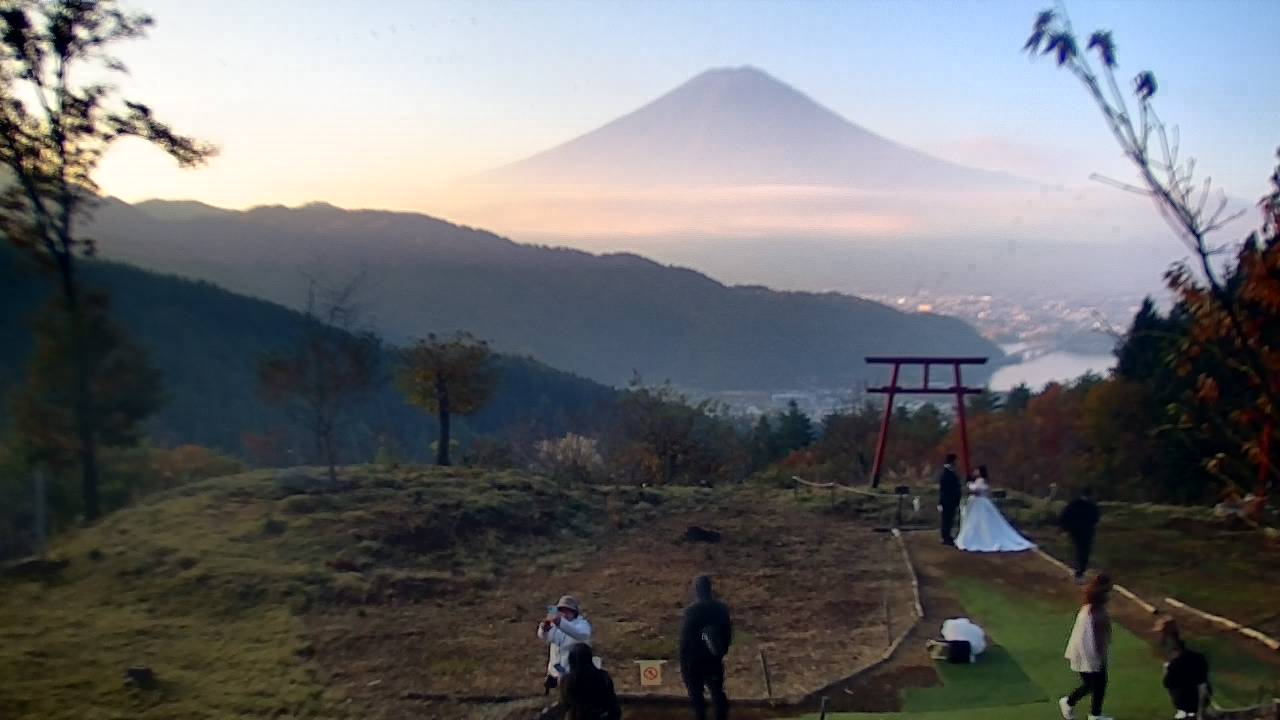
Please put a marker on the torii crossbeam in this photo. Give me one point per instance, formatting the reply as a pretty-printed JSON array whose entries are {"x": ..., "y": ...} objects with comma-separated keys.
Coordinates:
[{"x": 959, "y": 389}]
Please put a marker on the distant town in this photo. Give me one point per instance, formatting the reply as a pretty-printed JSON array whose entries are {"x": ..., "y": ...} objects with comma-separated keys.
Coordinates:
[
  {"x": 1026, "y": 328},
  {"x": 1031, "y": 324}
]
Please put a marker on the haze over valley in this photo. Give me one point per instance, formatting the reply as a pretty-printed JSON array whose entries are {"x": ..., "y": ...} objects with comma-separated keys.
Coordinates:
[{"x": 734, "y": 174}]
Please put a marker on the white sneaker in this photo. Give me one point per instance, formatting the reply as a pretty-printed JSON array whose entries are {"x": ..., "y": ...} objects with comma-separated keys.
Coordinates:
[
  {"x": 1068, "y": 712},
  {"x": 1101, "y": 717}
]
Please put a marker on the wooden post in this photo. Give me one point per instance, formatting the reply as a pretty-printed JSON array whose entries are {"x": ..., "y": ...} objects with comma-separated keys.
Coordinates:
[
  {"x": 1264, "y": 470},
  {"x": 964, "y": 430},
  {"x": 768, "y": 683},
  {"x": 40, "y": 514},
  {"x": 884, "y": 427},
  {"x": 888, "y": 621}
]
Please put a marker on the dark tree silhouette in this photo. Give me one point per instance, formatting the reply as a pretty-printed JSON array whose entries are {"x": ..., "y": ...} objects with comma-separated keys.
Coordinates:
[
  {"x": 126, "y": 388},
  {"x": 55, "y": 127},
  {"x": 333, "y": 363},
  {"x": 795, "y": 430},
  {"x": 447, "y": 376}
]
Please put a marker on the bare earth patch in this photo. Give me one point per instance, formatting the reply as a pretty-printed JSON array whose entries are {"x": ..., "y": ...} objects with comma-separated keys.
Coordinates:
[{"x": 807, "y": 588}]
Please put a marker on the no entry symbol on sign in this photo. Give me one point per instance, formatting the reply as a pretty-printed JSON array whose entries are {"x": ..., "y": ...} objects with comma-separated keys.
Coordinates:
[{"x": 650, "y": 672}]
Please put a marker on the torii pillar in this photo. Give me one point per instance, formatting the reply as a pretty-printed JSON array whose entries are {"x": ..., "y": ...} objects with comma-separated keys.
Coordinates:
[{"x": 959, "y": 389}]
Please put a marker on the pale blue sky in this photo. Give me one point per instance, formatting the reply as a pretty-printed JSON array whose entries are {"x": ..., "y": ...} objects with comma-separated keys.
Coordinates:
[{"x": 381, "y": 105}]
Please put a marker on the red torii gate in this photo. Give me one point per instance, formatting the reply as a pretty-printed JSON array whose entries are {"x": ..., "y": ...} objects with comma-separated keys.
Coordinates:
[{"x": 959, "y": 389}]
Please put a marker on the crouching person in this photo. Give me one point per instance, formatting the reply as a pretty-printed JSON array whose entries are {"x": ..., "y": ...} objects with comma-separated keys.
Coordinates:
[
  {"x": 564, "y": 627},
  {"x": 1186, "y": 675},
  {"x": 586, "y": 691}
]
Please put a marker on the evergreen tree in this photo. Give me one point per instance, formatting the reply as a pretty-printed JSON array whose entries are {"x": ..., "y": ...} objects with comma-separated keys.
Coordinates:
[
  {"x": 763, "y": 444},
  {"x": 125, "y": 388},
  {"x": 795, "y": 430},
  {"x": 1017, "y": 399}
]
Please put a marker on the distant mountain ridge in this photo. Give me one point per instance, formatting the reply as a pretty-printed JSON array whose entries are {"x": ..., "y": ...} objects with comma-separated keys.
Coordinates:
[
  {"x": 605, "y": 317},
  {"x": 741, "y": 127}
]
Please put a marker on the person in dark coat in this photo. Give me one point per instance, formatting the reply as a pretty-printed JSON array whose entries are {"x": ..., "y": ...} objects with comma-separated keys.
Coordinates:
[
  {"x": 586, "y": 692},
  {"x": 705, "y": 637},
  {"x": 1186, "y": 673},
  {"x": 1080, "y": 520},
  {"x": 949, "y": 495}
]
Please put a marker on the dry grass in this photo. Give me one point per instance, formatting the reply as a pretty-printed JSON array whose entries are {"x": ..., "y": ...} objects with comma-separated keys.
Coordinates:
[{"x": 250, "y": 600}]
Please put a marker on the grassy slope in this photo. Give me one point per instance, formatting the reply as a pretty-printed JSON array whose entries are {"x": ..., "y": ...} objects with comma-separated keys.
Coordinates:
[
  {"x": 191, "y": 586},
  {"x": 207, "y": 585},
  {"x": 1161, "y": 551},
  {"x": 1032, "y": 633}
]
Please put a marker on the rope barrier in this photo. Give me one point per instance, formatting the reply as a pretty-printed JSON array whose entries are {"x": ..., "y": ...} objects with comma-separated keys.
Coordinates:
[
  {"x": 915, "y": 580},
  {"x": 835, "y": 486},
  {"x": 1116, "y": 586},
  {"x": 1227, "y": 623}
]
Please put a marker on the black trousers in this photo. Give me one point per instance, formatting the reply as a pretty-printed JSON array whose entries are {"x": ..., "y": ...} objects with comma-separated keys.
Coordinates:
[
  {"x": 948, "y": 522},
  {"x": 1185, "y": 699},
  {"x": 706, "y": 675},
  {"x": 1094, "y": 684},
  {"x": 1084, "y": 546}
]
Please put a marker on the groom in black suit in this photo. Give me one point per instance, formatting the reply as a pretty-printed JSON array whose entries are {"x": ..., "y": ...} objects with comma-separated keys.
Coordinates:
[{"x": 949, "y": 495}]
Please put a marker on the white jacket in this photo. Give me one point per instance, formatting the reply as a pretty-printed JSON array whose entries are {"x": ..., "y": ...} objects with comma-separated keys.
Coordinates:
[
  {"x": 967, "y": 630},
  {"x": 1082, "y": 649},
  {"x": 562, "y": 637}
]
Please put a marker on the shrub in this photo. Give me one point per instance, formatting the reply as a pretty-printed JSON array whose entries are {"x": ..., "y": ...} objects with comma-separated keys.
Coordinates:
[{"x": 572, "y": 458}]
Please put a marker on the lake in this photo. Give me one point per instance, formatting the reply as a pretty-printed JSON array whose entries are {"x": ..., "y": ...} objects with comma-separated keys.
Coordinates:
[{"x": 1050, "y": 367}]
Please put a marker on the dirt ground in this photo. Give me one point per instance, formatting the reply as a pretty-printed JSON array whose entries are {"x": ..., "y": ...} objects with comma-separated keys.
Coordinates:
[{"x": 808, "y": 588}]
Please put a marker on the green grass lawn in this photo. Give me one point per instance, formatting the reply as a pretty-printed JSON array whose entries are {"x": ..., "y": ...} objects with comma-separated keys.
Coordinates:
[
  {"x": 1161, "y": 551},
  {"x": 1024, "y": 673},
  {"x": 997, "y": 675}
]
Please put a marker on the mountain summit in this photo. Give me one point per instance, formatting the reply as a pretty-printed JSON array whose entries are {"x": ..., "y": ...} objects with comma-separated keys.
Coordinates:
[{"x": 735, "y": 127}]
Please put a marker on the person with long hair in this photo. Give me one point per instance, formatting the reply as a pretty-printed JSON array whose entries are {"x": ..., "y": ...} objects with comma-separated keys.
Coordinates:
[
  {"x": 586, "y": 691},
  {"x": 1088, "y": 650}
]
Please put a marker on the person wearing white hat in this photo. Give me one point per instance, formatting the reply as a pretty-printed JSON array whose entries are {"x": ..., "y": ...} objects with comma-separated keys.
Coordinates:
[{"x": 564, "y": 627}]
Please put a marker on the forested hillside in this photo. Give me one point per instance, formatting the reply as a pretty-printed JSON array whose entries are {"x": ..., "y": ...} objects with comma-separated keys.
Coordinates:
[
  {"x": 206, "y": 341},
  {"x": 601, "y": 316}
]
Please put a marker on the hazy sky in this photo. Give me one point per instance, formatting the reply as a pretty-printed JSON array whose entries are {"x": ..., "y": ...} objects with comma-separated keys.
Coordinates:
[{"x": 381, "y": 104}]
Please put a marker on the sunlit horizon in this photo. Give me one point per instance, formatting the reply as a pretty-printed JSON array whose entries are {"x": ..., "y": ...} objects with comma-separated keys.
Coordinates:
[{"x": 391, "y": 107}]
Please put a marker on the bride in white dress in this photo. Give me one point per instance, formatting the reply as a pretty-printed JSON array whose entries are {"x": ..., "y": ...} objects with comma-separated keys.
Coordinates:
[{"x": 982, "y": 527}]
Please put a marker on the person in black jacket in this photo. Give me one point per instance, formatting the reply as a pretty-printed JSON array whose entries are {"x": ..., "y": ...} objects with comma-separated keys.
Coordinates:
[
  {"x": 949, "y": 495},
  {"x": 705, "y": 637},
  {"x": 1186, "y": 672},
  {"x": 586, "y": 692},
  {"x": 1080, "y": 520}
]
